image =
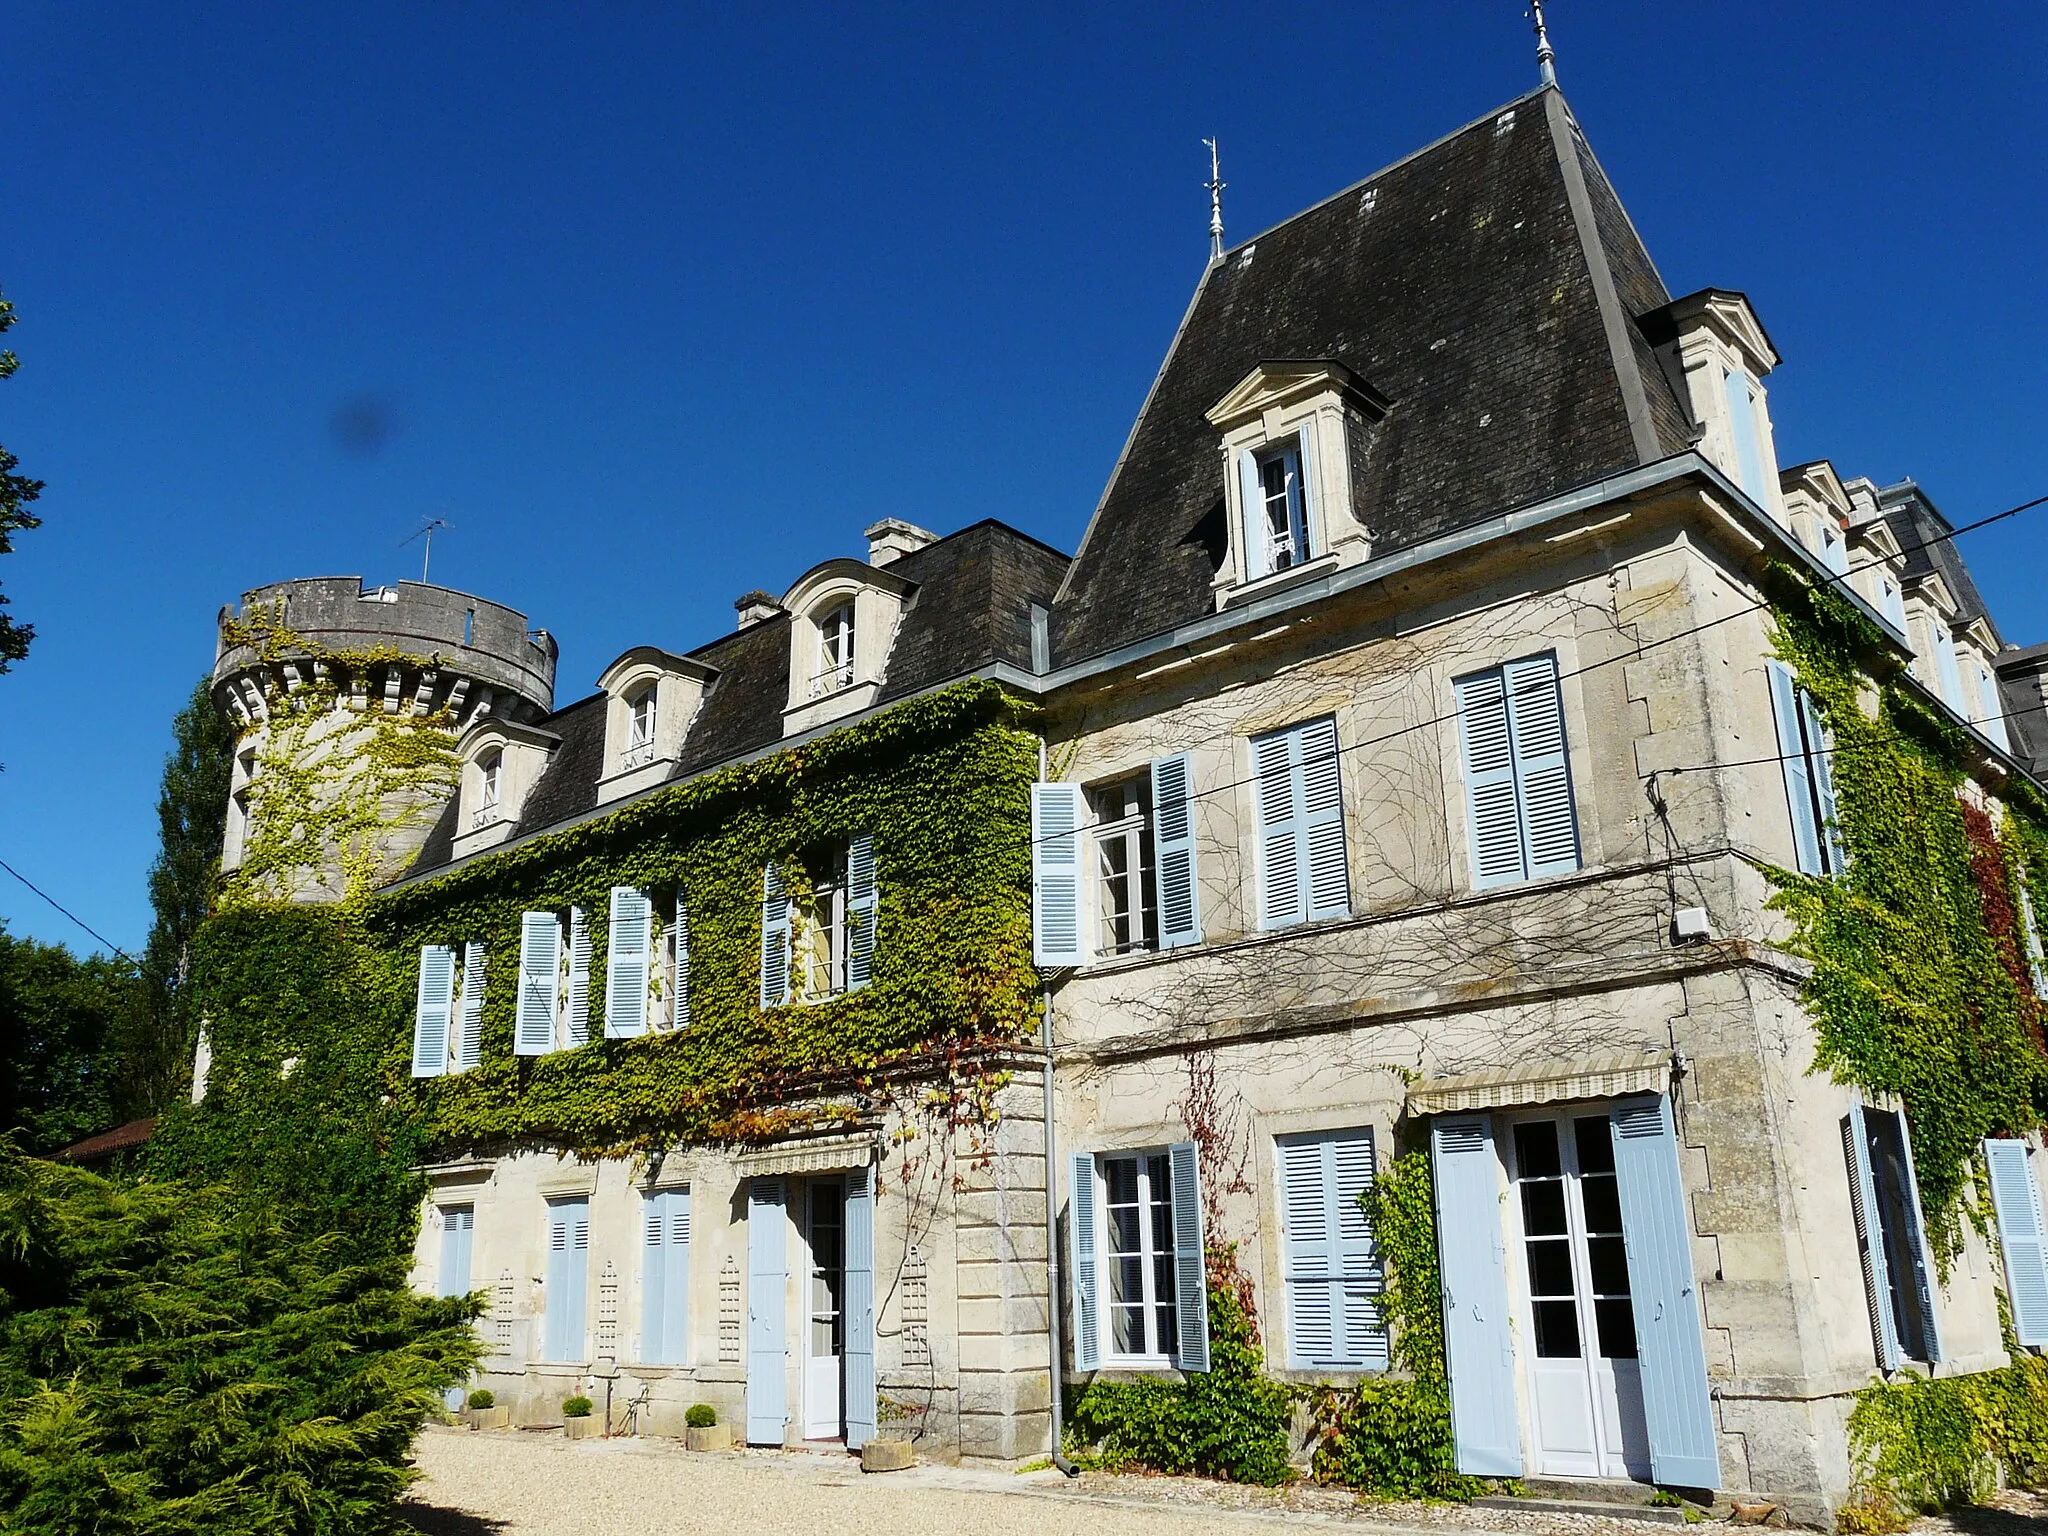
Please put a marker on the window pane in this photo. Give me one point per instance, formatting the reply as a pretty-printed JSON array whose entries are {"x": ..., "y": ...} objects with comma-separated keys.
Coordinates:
[
  {"x": 1603, "y": 1204},
  {"x": 1617, "y": 1323},
  {"x": 1557, "y": 1330},
  {"x": 1608, "y": 1262},
  {"x": 1121, "y": 1175},
  {"x": 1595, "y": 1137},
  {"x": 1536, "y": 1150},
  {"x": 1543, "y": 1208},
  {"x": 1550, "y": 1268}
]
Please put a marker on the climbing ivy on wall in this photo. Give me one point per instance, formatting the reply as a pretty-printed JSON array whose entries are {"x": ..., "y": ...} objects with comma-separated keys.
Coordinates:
[
  {"x": 1920, "y": 984},
  {"x": 331, "y": 785}
]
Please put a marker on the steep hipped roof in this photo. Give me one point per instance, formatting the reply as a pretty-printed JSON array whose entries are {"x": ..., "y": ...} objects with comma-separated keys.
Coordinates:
[
  {"x": 1926, "y": 537},
  {"x": 1486, "y": 285}
]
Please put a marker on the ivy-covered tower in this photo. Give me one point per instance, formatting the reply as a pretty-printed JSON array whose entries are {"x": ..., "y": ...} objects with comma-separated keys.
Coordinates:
[{"x": 348, "y": 700}]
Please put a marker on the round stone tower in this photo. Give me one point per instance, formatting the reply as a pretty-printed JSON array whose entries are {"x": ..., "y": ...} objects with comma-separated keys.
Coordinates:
[{"x": 348, "y": 700}]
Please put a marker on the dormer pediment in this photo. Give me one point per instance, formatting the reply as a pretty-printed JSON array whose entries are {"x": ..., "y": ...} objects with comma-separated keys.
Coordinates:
[
  {"x": 1878, "y": 538},
  {"x": 1935, "y": 591},
  {"x": 652, "y": 695},
  {"x": 1274, "y": 386},
  {"x": 1724, "y": 313},
  {"x": 1819, "y": 483}
]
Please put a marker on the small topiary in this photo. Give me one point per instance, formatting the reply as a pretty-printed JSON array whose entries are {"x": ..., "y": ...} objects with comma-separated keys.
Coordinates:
[
  {"x": 701, "y": 1416},
  {"x": 483, "y": 1397},
  {"x": 577, "y": 1407}
]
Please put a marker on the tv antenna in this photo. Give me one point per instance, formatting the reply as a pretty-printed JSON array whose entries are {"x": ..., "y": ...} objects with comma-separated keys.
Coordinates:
[{"x": 426, "y": 531}]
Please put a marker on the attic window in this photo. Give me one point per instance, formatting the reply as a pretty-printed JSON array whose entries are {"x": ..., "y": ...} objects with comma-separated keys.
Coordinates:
[
  {"x": 1278, "y": 511},
  {"x": 835, "y": 651},
  {"x": 639, "y": 727},
  {"x": 491, "y": 790}
]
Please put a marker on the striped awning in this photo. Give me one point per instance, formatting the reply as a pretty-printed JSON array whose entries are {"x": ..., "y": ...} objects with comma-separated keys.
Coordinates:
[
  {"x": 1543, "y": 1082},
  {"x": 814, "y": 1154}
]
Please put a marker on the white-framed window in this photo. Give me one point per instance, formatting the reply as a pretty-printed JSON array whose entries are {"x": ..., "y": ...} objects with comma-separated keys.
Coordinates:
[
  {"x": 640, "y": 722},
  {"x": 458, "y": 1232},
  {"x": 553, "y": 1008},
  {"x": 1834, "y": 548},
  {"x": 1303, "y": 867},
  {"x": 1141, "y": 1322},
  {"x": 448, "y": 1017},
  {"x": 1282, "y": 512},
  {"x": 1126, "y": 891},
  {"x": 1947, "y": 670},
  {"x": 1806, "y": 754},
  {"x": 490, "y": 770},
  {"x": 818, "y": 923},
  {"x": 665, "y": 1278},
  {"x": 1519, "y": 811},
  {"x": 834, "y": 669}
]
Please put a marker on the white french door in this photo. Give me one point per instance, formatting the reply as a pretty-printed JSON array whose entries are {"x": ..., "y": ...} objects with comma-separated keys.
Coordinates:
[
  {"x": 1578, "y": 1334},
  {"x": 824, "y": 1336}
]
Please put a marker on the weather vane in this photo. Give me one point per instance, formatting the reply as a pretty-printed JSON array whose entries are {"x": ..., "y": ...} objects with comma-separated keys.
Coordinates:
[
  {"x": 1215, "y": 185},
  {"x": 426, "y": 531},
  {"x": 1546, "y": 59}
]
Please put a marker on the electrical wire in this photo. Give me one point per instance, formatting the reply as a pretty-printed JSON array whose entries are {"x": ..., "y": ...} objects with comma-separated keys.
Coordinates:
[{"x": 53, "y": 901}]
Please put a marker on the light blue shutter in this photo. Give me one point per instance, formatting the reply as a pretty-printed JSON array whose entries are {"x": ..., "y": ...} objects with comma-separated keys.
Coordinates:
[
  {"x": 577, "y": 1014},
  {"x": 1820, "y": 754},
  {"x": 2037, "y": 962},
  {"x": 1877, "y": 1282},
  {"x": 540, "y": 980},
  {"x": 1275, "y": 792},
  {"x": 1081, "y": 1240},
  {"x": 1992, "y": 704},
  {"x": 679, "y": 962},
  {"x": 1252, "y": 525},
  {"x": 1916, "y": 1245},
  {"x": 1477, "y": 1338},
  {"x": 568, "y": 1270},
  {"x": 1749, "y": 456},
  {"x": 1492, "y": 817},
  {"x": 627, "y": 958},
  {"x": 1173, "y": 851},
  {"x": 860, "y": 910},
  {"x": 1307, "y": 457},
  {"x": 1798, "y": 772},
  {"x": 1328, "y": 886},
  {"x": 767, "y": 1274},
  {"x": 665, "y": 1279},
  {"x": 1332, "y": 1270},
  {"x": 862, "y": 1408},
  {"x": 430, "y": 1018},
  {"x": 2016, "y": 1200},
  {"x": 1056, "y": 876},
  {"x": 469, "y": 1043},
  {"x": 1543, "y": 774},
  {"x": 1190, "y": 1258},
  {"x": 458, "y": 1227},
  {"x": 1945, "y": 665},
  {"x": 774, "y": 940},
  {"x": 1670, "y": 1336}
]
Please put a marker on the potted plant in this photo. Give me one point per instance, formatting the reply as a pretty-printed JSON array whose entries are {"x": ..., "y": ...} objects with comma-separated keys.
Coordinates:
[
  {"x": 703, "y": 1432},
  {"x": 577, "y": 1423},
  {"x": 482, "y": 1411}
]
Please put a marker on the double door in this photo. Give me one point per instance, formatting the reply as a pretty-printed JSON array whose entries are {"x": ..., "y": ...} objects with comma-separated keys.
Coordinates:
[
  {"x": 823, "y": 1351},
  {"x": 1576, "y": 1312}
]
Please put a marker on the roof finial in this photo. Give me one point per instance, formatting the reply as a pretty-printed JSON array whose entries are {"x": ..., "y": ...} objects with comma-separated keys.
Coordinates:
[
  {"x": 1215, "y": 185},
  {"x": 1546, "y": 58}
]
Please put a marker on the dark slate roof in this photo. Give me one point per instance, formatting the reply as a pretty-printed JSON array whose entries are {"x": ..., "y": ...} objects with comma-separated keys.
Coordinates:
[
  {"x": 1465, "y": 289},
  {"x": 971, "y": 606},
  {"x": 1923, "y": 533}
]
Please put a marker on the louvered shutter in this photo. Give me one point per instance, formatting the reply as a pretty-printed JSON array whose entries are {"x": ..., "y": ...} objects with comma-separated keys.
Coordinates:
[
  {"x": 654, "y": 1279},
  {"x": 1792, "y": 757},
  {"x": 627, "y": 959},
  {"x": 458, "y": 1226},
  {"x": 1945, "y": 666},
  {"x": 469, "y": 1042},
  {"x": 1543, "y": 774},
  {"x": 1056, "y": 876},
  {"x": 1820, "y": 755},
  {"x": 1332, "y": 1272},
  {"x": 1275, "y": 790},
  {"x": 577, "y": 1015},
  {"x": 1473, "y": 1252},
  {"x": 431, "y": 1014},
  {"x": 862, "y": 1407},
  {"x": 1173, "y": 851},
  {"x": 1916, "y": 1245},
  {"x": 1492, "y": 819},
  {"x": 1190, "y": 1265},
  {"x": 1081, "y": 1242},
  {"x": 1992, "y": 703},
  {"x": 540, "y": 980},
  {"x": 2031, "y": 931},
  {"x": 568, "y": 1268},
  {"x": 1307, "y": 455},
  {"x": 1749, "y": 458},
  {"x": 767, "y": 1274},
  {"x": 1877, "y": 1284},
  {"x": 774, "y": 939},
  {"x": 2016, "y": 1201},
  {"x": 1252, "y": 525},
  {"x": 1328, "y": 884},
  {"x": 860, "y": 910},
  {"x": 679, "y": 962},
  {"x": 1670, "y": 1336}
]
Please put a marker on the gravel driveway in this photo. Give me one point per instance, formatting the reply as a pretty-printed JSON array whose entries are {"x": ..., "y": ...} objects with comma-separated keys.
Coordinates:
[{"x": 510, "y": 1483}]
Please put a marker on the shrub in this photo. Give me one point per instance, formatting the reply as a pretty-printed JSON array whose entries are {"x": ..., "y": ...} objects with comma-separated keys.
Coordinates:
[
  {"x": 701, "y": 1416},
  {"x": 578, "y": 1407},
  {"x": 173, "y": 1362},
  {"x": 483, "y": 1397}
]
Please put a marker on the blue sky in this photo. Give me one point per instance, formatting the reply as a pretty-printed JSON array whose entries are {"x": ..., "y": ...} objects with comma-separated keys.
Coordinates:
[{"x": 661, "y": 303}]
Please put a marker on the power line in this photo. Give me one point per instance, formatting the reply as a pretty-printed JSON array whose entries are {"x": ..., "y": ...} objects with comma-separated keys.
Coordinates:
[
  {"x": 53, "y": 901},
  {"x": 1832, "y": 578}
]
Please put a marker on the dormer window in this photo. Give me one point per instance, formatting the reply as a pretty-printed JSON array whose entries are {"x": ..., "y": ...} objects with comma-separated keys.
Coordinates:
[
  {"x": 1281, "y": 510},
  {"x": 651, "y": 697},
  {"x": 1715, "y": 353},
  {"x": 835, "y": 651},
  {"x": 501, "y": 761},
  {"x": 640, "y": 706}
]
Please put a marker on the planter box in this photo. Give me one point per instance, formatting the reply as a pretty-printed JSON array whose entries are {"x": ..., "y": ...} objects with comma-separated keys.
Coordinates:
[
  {"x": 589, "y": 1427},
  {"x": 712, "y": 1437},
  {"x": 489, "y": 1418}
]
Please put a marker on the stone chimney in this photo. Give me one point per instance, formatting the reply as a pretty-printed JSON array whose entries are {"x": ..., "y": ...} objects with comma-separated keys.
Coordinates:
[
  {"x": 755, "y": 606},
  {"x": 892, "y": 538}
]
